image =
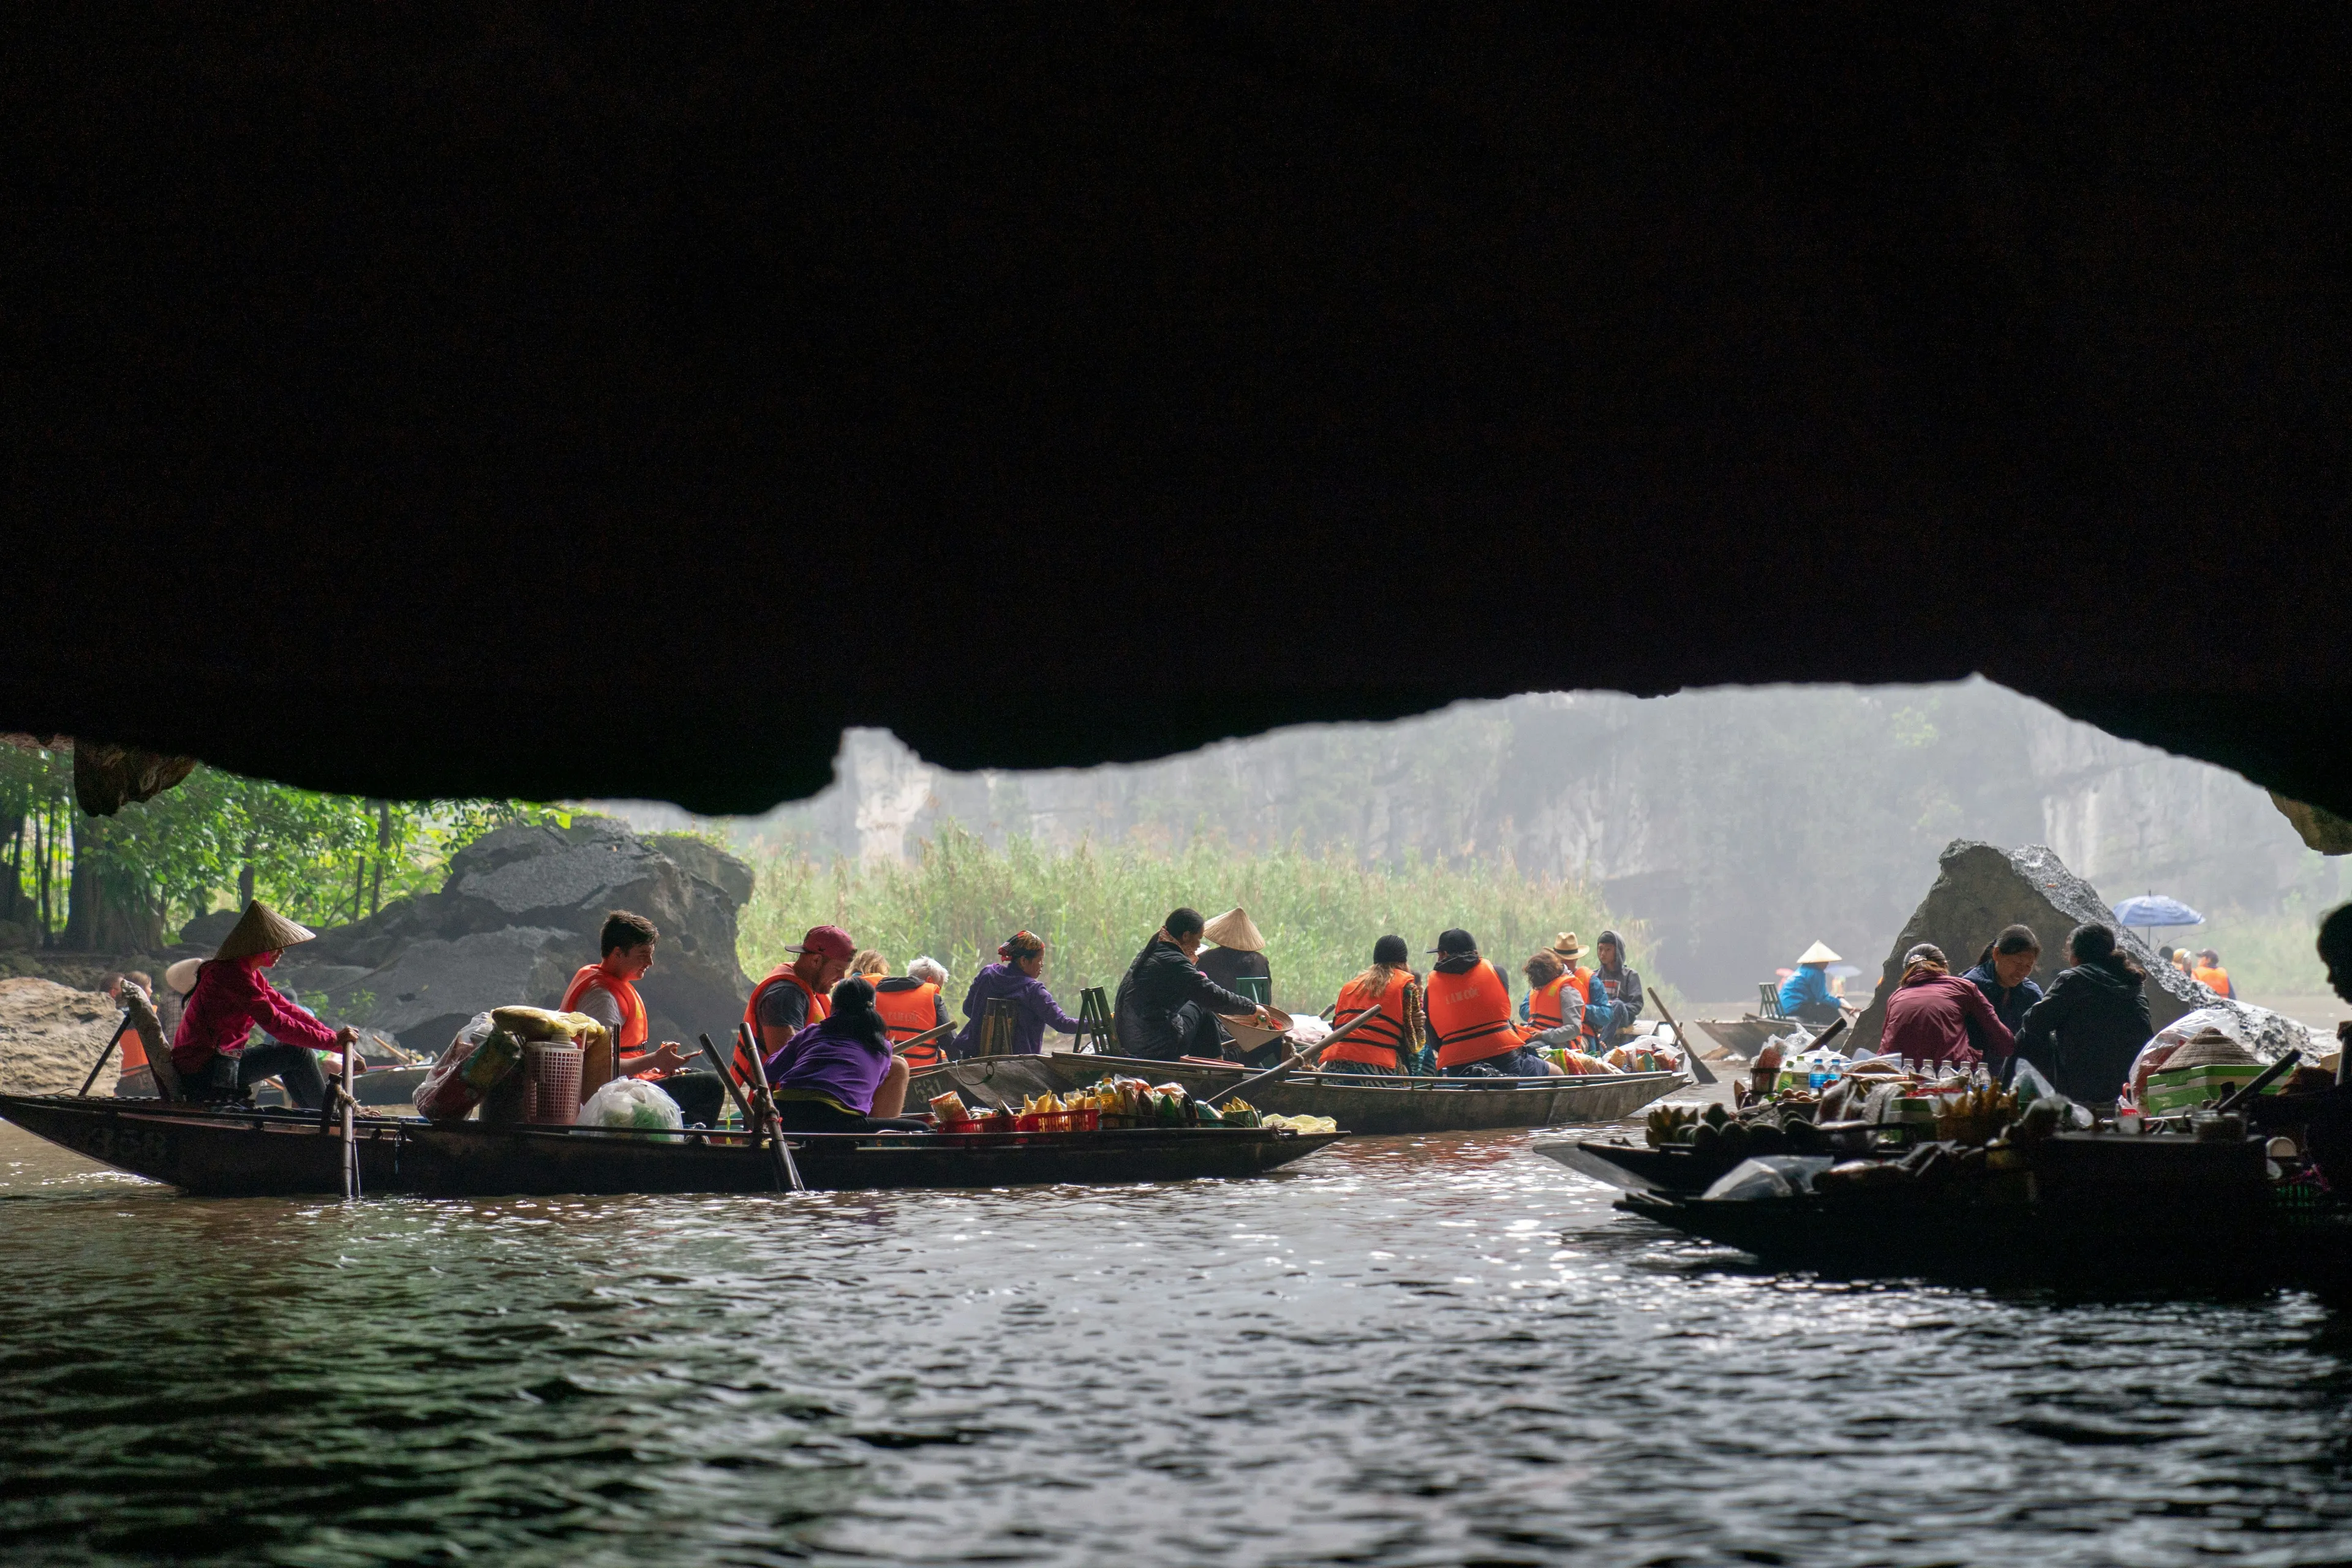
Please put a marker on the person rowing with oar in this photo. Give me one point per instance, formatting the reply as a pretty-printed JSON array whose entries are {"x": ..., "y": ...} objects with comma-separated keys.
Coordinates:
[{"x": 231, "y": 996}]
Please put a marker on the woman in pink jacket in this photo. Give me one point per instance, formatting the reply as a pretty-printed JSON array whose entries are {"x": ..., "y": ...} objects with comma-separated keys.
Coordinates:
[
  {"x": 1937, "y": 1016},
  {"x": 231, "y": 996}
]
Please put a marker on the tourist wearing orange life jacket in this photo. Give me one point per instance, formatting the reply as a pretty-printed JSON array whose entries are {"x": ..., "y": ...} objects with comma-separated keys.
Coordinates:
[
  {"x": 2208, "y": 972},
  {"x": 1564, "y": 1002},
  {"x": 912, "y": 1004},
  {"x": 607, "y": 992},
  {"x": 1389, "y": 1045},
  {"x": 794, "y": 995},
  {"x": 1470, "y": 1015}
]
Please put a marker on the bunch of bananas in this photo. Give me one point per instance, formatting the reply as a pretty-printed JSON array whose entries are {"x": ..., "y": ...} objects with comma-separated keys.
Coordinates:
[
  {"x": 1678, "y": 1123},
  {"x": 1975, "y": 1115}
]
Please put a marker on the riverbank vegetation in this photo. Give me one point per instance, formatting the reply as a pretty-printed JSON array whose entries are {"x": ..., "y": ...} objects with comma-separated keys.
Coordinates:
[
  {"x": 126, "y": 883},
  {"x": 1097, "y": 904}
]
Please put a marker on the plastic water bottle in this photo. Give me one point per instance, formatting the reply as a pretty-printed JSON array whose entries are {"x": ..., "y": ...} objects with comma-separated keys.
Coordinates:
[{"x": 1819, "y": 1076}]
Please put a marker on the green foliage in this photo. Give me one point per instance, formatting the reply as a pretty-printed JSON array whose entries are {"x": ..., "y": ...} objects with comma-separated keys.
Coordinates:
[
  {"x": 1095, "y": 907},
  {"x": 2271, "y": 957},
  {"x": 320, "y": 859}
]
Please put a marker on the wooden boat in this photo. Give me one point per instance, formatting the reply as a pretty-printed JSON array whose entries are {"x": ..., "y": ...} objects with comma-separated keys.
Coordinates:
[
  {"x": 218, "y": 1151},
  {"x": 1358, "y": 1103},
  {"x": 2103, "y": 1212},
  {"x": 1741, "y": 1037},
  {"x": 1640, "y": 1169}
]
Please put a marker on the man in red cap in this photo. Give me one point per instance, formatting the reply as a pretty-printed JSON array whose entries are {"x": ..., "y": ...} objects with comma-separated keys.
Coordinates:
[{"x": 793, "y": 997}]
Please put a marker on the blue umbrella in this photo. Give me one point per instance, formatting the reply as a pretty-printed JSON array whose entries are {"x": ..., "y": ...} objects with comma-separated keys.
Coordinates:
[{"x": 2155, "y": 910}]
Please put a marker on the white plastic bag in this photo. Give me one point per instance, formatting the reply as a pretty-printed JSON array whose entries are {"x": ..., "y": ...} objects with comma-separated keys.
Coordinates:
[
  {"x": 2029, "y": 1085},
  {"x": 633, "y": 1103},
  {"x": 1768, "y": 1176},
  {"x": 1308, "y": 1031}
]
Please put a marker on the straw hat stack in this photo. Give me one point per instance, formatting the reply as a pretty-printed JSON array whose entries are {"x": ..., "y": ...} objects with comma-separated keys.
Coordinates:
[
  {"x": 2210, "y": 1048},
  {"x": 261, "y": 930}
]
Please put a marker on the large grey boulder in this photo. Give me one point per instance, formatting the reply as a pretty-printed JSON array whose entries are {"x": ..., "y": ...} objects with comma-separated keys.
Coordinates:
[
  {"x": 1980, "y": 887},
  {"x": 518, "y": 913}
]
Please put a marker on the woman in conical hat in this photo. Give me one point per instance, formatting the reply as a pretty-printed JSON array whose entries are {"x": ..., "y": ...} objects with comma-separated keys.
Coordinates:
[
  {"x": 231, "y": 996},
  {"x": 1239, "y": 956}
]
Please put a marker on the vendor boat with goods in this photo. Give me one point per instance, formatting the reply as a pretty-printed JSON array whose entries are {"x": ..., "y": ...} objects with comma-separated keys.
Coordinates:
[
  {"x": 1992, "y": 1185},
  {"x": 504, "y": 1114}
]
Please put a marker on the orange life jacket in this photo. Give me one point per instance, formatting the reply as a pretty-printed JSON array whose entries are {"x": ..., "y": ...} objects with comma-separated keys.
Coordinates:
[
  {"x": 817, "y": 1008},
  {"x": 1384, "y": 1039},
  {"x": 906, "y": 1014},
  {"x": 1581, "y": 979},
  {"x": 1543, "y": 1004},
  {"x": 1471, "y": 1017},
  {"x": 634, "y": 1027},
  {"x": 2218, "y": 979},
  {"x": 134, "y": 1051}
]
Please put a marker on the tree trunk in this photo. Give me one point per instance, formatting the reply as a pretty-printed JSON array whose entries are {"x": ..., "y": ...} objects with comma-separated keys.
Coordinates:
[
  {"x": 244, "y": 878},
  {"x": 86, "y": 891},
  {"x": 12, "y": 867},
  {"x": 383, "y": 849}
]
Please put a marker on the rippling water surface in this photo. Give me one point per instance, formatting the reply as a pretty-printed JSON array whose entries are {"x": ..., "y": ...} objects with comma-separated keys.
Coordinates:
[{"x": 1401, "y": 1352}]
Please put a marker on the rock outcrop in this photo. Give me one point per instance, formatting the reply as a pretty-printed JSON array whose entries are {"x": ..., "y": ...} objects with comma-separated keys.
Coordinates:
[
  {"x": 49, "y": 1035},
  {"x": 519, "y": 911},
  {"x": 1980, "y": 887}
]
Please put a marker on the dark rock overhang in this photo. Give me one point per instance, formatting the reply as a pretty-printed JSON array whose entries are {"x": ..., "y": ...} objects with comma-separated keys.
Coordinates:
[{"x": 560, "y": 402}]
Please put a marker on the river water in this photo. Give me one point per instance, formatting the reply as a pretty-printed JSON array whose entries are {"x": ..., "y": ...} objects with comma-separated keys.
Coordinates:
[{"x": 1402, "y": 1351}]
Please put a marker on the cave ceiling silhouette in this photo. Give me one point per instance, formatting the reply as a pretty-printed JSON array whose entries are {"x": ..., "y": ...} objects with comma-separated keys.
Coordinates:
[{"x": 563, "y": 401}]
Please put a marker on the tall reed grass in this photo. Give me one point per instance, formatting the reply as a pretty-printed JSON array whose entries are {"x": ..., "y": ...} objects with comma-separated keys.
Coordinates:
[{"x": 1097, "y": 906}]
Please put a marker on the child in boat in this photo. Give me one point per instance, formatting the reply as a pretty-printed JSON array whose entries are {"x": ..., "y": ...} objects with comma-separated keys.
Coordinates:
[{"x": 838, "y": 1075}]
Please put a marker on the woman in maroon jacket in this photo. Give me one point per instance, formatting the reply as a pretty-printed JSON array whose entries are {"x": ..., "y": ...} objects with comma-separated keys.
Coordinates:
[{"x": 1937, "y": 1016}]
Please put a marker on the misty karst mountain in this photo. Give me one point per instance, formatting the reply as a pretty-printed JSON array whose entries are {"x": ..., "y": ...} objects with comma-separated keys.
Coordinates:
[{"x": 1739, "y": 824}]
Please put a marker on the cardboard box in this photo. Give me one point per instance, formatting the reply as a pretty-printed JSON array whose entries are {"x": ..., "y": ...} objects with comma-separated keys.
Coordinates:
[{"x": 2174, "y": 1090}]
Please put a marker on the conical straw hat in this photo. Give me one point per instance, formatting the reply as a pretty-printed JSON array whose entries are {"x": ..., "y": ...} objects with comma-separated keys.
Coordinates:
[
  {"x": 1233, "y": 929},
  {"x": 181, "y": 976},
  {"x": 2210, "y": 1048},
  {"x": 261, "y": 930},
  {"x": 1819, "y": 954}
]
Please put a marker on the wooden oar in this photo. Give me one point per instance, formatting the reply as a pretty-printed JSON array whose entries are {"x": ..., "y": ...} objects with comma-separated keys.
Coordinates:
[
  {"x": 100, "y": 1066},
  {"x": 788, "y": 1170},
  {"x": 350, "y": 1142},
  {"x": 719, "y": 1065},
  {"x": 937, "y": 1032},
  {"x": 1699, "y": 1073}
]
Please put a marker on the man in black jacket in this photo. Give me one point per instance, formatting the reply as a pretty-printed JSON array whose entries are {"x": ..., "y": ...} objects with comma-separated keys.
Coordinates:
[
  {"x": 2084, "y": 1035},
  {"x": 1166, "y": 1007}
]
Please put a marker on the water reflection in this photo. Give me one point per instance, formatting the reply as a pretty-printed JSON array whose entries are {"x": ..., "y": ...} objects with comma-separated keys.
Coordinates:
[{"x": 1403, "y": 1351}]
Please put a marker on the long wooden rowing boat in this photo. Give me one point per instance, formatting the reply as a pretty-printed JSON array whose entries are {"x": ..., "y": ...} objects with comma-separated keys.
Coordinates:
[
  {"x": 243, "y": 1152},
  {"x": 1358, "y": 1103}
]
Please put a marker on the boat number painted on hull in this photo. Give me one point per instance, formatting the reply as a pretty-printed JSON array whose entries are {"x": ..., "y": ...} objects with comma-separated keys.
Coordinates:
[{"x": 123, "y": 1146}]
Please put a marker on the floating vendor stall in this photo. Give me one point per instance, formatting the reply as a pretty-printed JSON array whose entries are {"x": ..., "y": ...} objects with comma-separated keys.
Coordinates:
[{"x": 1965, "y": 1182}]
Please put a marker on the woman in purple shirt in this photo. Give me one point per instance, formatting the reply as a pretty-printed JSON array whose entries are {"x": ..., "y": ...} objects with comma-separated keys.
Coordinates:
[
  {"x": 838, "y": 1075},
  {"x": 1017, "y": 979}
]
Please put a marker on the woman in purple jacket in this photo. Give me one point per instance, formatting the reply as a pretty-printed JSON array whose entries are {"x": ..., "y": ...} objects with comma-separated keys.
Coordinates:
[{"x": 1017, "y": 977}]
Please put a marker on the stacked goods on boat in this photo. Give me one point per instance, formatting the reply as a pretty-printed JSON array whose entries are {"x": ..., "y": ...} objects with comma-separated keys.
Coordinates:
[
  {"x": 518, "y": 1065},
  {"x": 1653, "y": 1052},
  {"x": 1116, "y": 1103}
]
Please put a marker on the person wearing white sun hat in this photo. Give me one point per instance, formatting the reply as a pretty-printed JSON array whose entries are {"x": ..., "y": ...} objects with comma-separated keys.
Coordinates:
[{"x": 1805, "y": 995}]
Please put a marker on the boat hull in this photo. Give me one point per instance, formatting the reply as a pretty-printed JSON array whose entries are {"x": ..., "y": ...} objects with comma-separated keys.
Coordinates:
[
  {"x": 257, "y": 1152},
  {"x": 1360, "y": 1104},
  {"x": 1642, "y": 1170}
]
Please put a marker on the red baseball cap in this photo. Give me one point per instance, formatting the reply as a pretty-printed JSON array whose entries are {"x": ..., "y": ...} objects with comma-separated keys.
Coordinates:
[{"x": 831, "y": 940}]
